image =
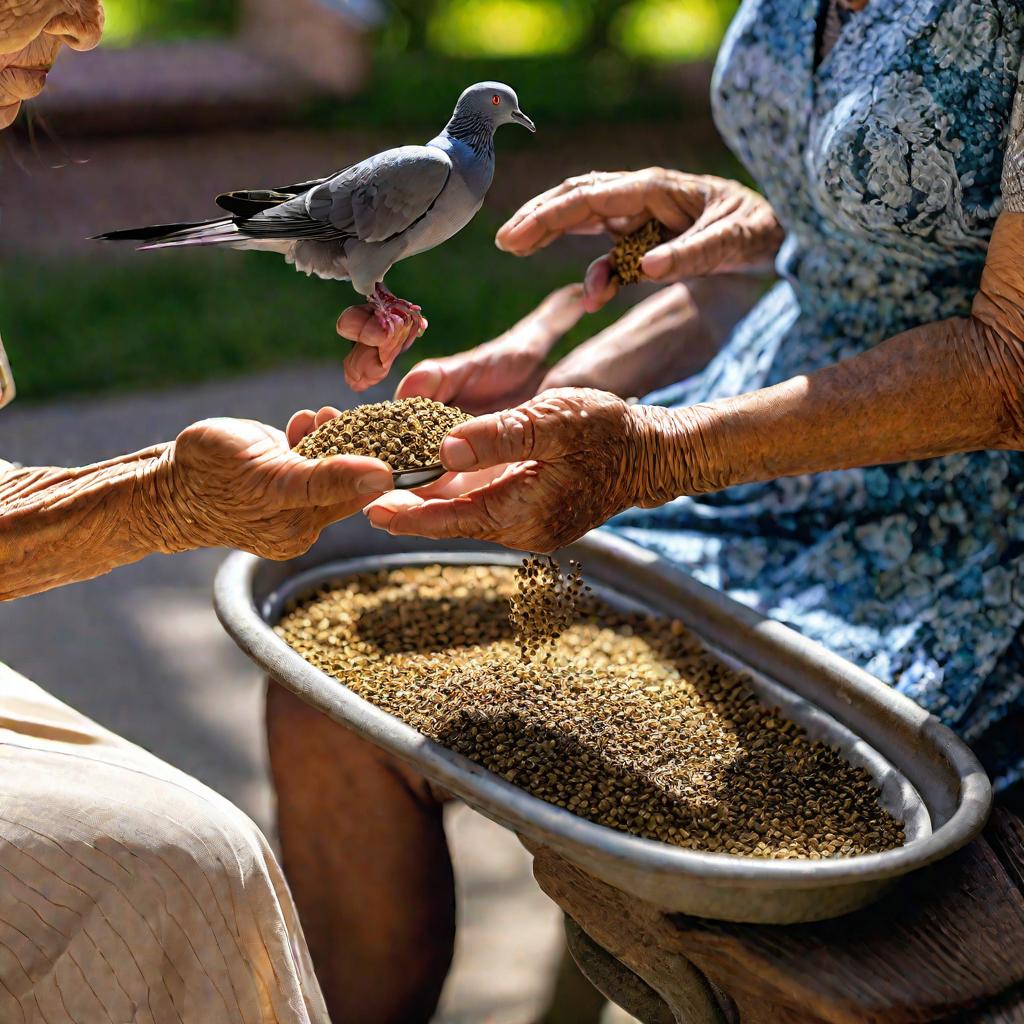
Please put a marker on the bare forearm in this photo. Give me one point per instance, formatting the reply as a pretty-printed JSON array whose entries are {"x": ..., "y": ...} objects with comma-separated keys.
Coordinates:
[
  {"x": 722, "y": 302},
  {"x": 917, "y": 396},
  {"x": 952, "y": 386},
  {"x": 59, "y": 526},
  {"x": 669, "y": 335}
]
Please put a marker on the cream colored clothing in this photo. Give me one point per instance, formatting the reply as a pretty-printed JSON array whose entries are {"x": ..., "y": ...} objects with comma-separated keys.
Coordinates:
[{"x": 130, "y": 892}]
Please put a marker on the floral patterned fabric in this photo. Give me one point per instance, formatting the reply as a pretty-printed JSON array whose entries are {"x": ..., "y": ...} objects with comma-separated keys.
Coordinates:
[{"x": 883, "y": 164}]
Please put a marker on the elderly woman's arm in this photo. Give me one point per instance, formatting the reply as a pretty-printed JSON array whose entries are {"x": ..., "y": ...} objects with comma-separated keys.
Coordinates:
[
  {"x": 222, "y": 482},
  {"x": 951, "y": 386},
  {"x": 62, "y": 525},
  {"x": 666, "y": 336},
  {"x": 569, "y": 460}
]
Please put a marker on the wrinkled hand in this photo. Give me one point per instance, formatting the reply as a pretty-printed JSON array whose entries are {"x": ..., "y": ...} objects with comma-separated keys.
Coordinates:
[
  {"x": 502, "y": 372},
  {"x": 718, "y": 225},
  {"x": 236, "y": 483},
  {"x": 374, "y": 350},
  {"x": 536, "y": 477}
]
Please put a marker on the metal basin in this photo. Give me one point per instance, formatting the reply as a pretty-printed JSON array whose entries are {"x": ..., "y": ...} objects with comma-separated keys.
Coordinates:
[{"x": 926, "y": 775}]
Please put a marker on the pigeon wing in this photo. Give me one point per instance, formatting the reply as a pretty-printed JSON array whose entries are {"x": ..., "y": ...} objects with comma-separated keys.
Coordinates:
[
  {"x": 249, "y": 201},
  {"x": 373, "y": 200}
]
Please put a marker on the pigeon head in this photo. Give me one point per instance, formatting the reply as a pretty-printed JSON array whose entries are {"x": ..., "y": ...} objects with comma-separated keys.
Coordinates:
[{"x": 482, "y": 109}]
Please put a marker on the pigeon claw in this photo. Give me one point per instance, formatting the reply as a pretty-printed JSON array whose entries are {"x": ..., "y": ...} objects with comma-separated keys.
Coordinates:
[{"x": 396, "y": 316}]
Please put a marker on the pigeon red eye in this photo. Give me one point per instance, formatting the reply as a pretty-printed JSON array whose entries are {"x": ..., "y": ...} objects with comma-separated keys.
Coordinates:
[{"x": 496, "y": 100}]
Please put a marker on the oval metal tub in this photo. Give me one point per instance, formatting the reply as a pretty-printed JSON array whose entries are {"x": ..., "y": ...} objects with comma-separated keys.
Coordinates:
[{"x": 925, "y": 774}]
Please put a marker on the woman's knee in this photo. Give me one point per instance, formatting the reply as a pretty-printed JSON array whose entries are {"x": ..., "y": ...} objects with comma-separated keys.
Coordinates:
[
  {"x": 327, "y": 760},
  {"x": 175, "y": 887}
]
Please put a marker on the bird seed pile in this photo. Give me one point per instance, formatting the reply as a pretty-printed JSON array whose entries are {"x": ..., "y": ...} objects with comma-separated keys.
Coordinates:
[
  {"x": 623, "y": 719},
  {"x": 406, "y": 433},
  {"x": 631, "y": 249}
]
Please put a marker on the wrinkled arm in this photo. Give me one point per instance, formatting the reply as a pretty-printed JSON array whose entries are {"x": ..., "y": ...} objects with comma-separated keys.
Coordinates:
[
  {"x": 951, "y": 386},
  {"x": 222, "y": 482},
  {"x": 59, "y": 526},
  {"x": 667, "y": 336},
  {"x": 526, "y": 477}
]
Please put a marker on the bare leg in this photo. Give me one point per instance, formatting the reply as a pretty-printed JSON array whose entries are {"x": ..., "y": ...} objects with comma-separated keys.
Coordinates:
[{"x": 364, "y": 851}]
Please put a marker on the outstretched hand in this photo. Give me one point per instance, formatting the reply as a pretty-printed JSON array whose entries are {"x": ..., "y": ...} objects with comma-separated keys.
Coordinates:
[
  {"x": 502, "y": 372},
  {"x": 717, "y": 225},
  {"x": 236, "y": 483}
]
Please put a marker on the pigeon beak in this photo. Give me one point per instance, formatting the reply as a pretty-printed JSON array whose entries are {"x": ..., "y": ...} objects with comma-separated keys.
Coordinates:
[{"x": 518, "y": 115}]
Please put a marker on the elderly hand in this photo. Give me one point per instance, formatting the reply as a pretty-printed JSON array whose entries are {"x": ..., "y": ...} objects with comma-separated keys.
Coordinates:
[
  {"x": 540, "y": 476},
  {"x": 502, "y": 372},
  {"x": 664, "y": 337},
  {"x": 236, "y": 483},
  {"x": 718, "y": 225},
  {"x": 373, "y": 351}
]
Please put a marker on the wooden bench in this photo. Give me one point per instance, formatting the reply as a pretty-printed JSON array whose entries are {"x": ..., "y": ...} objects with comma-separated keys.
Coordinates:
[{"x": 945, "y": 945}]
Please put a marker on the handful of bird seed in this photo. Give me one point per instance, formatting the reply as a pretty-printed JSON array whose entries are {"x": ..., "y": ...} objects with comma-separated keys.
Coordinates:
[
  {"x": 625, "y": 719},
  {"x": 630, "y": 250},
  {"x": 406, "y": 433}
]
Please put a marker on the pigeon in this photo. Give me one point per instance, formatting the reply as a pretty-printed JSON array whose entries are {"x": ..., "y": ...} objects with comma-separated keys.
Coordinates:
[{"x": 356, "y": 224}]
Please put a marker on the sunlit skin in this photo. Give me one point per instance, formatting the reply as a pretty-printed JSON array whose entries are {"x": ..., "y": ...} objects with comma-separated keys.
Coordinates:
[
  {"x": 525, "y": 477},
  {"x": 32, "y": 33},
  {"x": 676, "y": 331},
  {"x": 716, "y": 225},
  {"x": 222, "y": 482}
]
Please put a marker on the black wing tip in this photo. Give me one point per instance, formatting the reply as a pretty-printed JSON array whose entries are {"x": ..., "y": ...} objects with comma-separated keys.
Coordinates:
[
  {"x": 247, "y": 203},
  {"x": 149, "y": 233},
  {"x": 131, "y": 234}
]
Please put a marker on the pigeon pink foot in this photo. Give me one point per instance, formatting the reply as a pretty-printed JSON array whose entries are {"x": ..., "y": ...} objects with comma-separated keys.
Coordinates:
[{"x": 396, "y": 315}]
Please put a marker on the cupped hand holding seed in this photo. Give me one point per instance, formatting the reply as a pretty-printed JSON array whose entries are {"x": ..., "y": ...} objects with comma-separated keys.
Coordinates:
[
  {"x": 535, "y": 477},
  {"x": 236, "y": 483},
  {"x": 716, "y": 225}
]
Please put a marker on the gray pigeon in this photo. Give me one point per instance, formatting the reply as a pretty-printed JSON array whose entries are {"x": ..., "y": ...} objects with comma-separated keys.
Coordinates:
[{"x": 356, "y": 224}]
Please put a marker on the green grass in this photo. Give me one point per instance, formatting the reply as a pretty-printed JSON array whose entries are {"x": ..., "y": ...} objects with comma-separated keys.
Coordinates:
[{"x": 165, "y": 319}]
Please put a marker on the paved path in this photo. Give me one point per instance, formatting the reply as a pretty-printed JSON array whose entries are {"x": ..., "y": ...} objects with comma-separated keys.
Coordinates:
[{"x": 140, "y": 651}]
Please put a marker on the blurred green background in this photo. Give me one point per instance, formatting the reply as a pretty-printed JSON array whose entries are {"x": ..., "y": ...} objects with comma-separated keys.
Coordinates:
[
  {"x": 669, "y": 30},
  {"x": 590, "y": 69}
]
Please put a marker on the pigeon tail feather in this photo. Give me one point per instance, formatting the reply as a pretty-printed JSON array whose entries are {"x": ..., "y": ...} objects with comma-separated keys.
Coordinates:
[
  {"x": 219, "y": 232},
  {"x": 153, "y": 231}
]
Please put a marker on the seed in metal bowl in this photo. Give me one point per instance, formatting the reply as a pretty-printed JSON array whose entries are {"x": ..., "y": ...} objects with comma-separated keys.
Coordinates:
[{"x": 624, "y": 719}]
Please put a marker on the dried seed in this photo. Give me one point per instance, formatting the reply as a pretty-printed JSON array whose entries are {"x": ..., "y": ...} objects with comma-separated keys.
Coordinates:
[
  {"x": 630, "y": 250},
  {"x": 624, "y": 719},
  {"x": 406, "y": 433}
]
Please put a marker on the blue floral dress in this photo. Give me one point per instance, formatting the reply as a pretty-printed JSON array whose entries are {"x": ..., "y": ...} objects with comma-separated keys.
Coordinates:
[{"x": 883, "y": 164}]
